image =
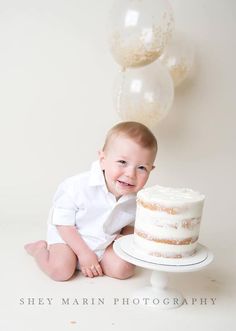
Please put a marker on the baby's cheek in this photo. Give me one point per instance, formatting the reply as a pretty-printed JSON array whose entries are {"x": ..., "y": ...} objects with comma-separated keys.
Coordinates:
[{"x": 144, "y": 179}]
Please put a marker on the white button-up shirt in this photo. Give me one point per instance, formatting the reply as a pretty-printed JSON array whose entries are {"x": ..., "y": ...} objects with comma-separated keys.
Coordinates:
[{"x": 85, "y": 202}]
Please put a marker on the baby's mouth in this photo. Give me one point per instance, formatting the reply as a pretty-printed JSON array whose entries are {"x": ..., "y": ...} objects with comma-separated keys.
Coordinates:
[{"x": 125, "y": 184}]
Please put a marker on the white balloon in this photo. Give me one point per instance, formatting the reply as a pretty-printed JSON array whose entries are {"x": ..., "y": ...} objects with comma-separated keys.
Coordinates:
[
  {"x": 139, "y": 30},
  {"x": 178, "y": 57},
  {"x": 145, "y": 94}
]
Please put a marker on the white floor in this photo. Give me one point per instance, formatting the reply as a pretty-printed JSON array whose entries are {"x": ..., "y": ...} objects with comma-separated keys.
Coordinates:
[{"x": 26, "y": 294}]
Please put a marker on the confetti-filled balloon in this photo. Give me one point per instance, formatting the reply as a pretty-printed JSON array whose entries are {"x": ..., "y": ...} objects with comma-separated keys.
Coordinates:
[
  {"x": 178, "y": 56},
  {"x": 145, "y": 94},
  {"x": 139, "y": 30}
]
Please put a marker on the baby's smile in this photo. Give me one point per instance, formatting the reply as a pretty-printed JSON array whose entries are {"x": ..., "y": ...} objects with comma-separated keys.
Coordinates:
[{"x": 125, "y": 183}]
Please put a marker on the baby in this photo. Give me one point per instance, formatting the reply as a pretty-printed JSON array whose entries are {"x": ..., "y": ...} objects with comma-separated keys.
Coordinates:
[{"x": 92, "y": 209}]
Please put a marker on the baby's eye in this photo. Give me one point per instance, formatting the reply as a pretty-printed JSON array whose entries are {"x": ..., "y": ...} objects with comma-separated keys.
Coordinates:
[
  {"x": 123, "y": 162},
  {"x": 142, "y": 168}
]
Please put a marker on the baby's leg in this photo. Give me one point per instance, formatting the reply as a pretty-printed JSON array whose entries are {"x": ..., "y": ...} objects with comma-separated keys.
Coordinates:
[
  {"x": 58, "y": 261},
  {"x": 113, "y": 266}
]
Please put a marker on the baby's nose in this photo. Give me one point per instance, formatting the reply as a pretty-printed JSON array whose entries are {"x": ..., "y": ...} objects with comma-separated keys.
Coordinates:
[{"x": 131, "y": 172}]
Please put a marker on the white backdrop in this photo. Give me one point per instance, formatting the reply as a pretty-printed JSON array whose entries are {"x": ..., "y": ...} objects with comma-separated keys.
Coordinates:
[{"x": 56, "y": 77}]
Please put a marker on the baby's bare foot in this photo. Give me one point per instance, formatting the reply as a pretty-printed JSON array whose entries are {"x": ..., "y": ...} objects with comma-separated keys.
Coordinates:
[{"x": 33, "y": 248}]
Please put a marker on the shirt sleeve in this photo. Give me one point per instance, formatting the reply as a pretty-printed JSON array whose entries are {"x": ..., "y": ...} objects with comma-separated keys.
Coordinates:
[{"x": 64, "y": 209}]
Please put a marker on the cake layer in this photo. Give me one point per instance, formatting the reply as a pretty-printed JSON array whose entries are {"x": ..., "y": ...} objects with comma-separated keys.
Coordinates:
[
  {"x": 168, "y": 199},
  {"x": 165, "y": 239},
  {"x": 164, "y": 250},
  {"x": 187, "y": 210},
  {"x": 159, "y": 220},
  {"x": 168, "y": 233}
]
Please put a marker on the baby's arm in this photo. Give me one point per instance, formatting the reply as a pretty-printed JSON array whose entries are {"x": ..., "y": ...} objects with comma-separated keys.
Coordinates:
[{"x": 88, "y": 260}]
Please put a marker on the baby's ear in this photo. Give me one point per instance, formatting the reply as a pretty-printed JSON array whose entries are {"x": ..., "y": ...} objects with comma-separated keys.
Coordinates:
[{"x": 101, "y": 155}]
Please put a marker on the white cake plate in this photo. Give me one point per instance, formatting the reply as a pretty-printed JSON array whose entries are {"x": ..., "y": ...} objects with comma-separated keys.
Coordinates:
[{"x": 158, "y": 294}]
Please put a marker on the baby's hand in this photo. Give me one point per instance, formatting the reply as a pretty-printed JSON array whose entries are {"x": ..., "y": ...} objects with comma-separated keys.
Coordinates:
[{"x": 89, "y": 264}]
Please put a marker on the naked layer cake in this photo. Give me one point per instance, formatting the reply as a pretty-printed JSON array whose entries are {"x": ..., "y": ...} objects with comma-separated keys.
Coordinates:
[{"x": 168, "y": 221}]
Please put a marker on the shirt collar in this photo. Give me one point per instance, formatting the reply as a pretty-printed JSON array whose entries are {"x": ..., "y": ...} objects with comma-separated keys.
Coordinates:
[{"x": 96, "y": 177}]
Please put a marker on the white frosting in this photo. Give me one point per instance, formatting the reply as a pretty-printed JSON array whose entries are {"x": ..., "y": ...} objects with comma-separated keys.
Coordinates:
[
  {"x": 161, "y": 223},
  {"x": 168, "y": 196},
  {"x": 166, "y": 250},
  {"x": 166, "y": 231}
]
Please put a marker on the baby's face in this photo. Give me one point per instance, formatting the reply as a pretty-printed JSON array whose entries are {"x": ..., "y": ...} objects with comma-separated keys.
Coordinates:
[{"x": 126, "y": 165}]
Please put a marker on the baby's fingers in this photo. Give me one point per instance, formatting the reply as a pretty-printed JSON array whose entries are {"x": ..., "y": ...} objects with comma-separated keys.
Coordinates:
[
  {"x": 87, "y": 272},
  {"x": 92, "y": 271},
  {"x": 99, "y": 269},
  {"x": 96, "y": 270}
]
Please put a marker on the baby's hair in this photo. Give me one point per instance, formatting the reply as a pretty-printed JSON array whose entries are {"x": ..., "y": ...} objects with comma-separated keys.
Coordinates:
[{"x": 134, "y": 130}]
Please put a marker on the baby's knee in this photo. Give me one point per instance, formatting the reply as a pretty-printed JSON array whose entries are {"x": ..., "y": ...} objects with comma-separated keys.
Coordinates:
[
  {"x": 61, "y": 272},
  {"x": 124, "y": 270}
]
